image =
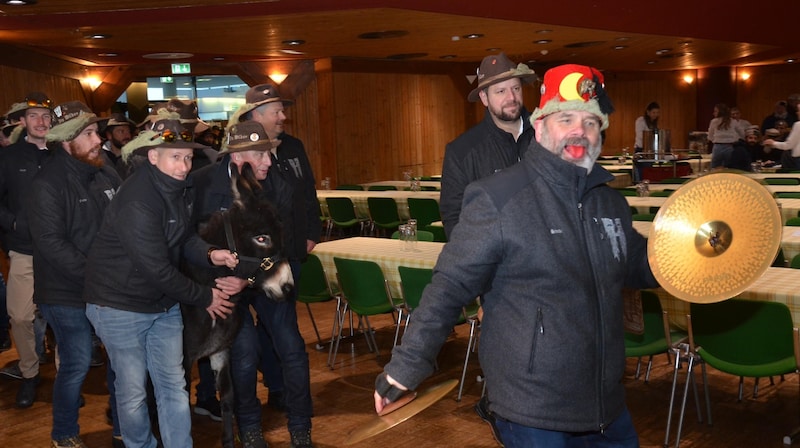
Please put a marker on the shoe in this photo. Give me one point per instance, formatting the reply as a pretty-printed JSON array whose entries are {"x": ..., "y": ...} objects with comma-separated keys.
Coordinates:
[
  {"x": 27, "y": 392},
  {"x": 482, "y": 409},
  {"x": 253, "y": 438},
  {"x": 275, "y": 401},
  {"x": 116, "y": 442},
  {"x": 97, "y": 357},
  {"x": 209, "y": 408},
  {"x": 5, "y": 345},
  {"x": 69, "y": 442},
  {"x": 301, "y": 438},
  {"x": 12, "y": 371}
]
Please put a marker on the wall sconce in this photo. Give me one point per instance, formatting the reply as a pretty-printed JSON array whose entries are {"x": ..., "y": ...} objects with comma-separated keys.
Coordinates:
[
  {"x": 688, "y": 79},
  {"x": 745, "y": 76},
  {"x": 92, "y": 81},
  {"x": 278, "y": 77}
]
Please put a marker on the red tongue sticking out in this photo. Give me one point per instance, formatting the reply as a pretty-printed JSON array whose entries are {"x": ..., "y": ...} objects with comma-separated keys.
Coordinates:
[{"x": 575, "y": 151}]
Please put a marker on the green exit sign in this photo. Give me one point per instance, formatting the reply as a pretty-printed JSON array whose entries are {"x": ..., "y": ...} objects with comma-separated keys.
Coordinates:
[{"x": 179, "y": 69}]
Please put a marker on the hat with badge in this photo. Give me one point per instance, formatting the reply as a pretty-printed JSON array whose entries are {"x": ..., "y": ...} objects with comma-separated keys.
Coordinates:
[
  {"x": 69, "y": 119},
  {"x": 186, "y": 110},
  {"x": 257, "y": 96},
  {"x": 573, "y": 87},
  {"x": 32, "y": 100},
  {"x": 499, "y": 68},
  {"x": 246, "y": 136},
  {"x": 167, "y": 132}
]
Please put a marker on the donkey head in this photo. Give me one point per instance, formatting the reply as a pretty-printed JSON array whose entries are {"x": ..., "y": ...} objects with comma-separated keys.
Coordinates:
[{"x": 252, "y": 229}]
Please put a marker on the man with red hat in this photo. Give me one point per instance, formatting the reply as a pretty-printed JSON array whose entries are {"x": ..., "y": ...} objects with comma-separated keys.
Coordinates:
[
  {"x": 549, "y": 246},
  {"x": 495, "y": 143}
]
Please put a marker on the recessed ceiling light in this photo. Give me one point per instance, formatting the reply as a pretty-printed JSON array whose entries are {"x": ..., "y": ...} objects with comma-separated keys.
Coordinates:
[
  {"x": 622, "y": 39},
  {"x": 472, "y": 36},
  {"x": 543, "y": 31},
  {"x": 218, "y": 58},
  {"x": 108, "y": 55},
  {"x": 288, "y": 51},
  {"x": 19, "y": 2},
  {"x": 294, "y": 42},
  {"x": 663, "y": 51},
  {"x": 791, "y": 61},
  {"x": 620, "y": 47},
  {"x": 492, "y": 49},
  {"x": 651, "y": 62},
  {"x": 448, "y": 56},
  {"x": 167, "y": 55},
  {"x": 542, "y": 41},
  {"x": 97, "y": 36}
]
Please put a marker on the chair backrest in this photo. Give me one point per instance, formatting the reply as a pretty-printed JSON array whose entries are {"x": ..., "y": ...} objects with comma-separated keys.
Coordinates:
[
  {"x": 674, "y": 180},
  {"x": 788, "y": 194},
  {"x": 383, "y": 211},
  {"x": 653, "y": 318},
  {"x": 424, "y": 210},
  {"x": 795, "y": 263},
  {"x": 438, "y": 233},
  {"x": 341, "y": 209},
  {"x": 782, "y": 181},
  {"x": 313, "y": 283},
  {"x": 626, "y": 191},
  {"x": 381, "y": 188},
  {"x": 748, "y": 332},
  {"x": 363, "y": 285},
  {"x": 661, "y": 193},
  {"x": 413, "y": 282},
  {"x": 792, "y": 222},
  {"x": 422, "y": 235},
  {"x": 643, "y": 217},
  {"x": 350, "y": 187}
]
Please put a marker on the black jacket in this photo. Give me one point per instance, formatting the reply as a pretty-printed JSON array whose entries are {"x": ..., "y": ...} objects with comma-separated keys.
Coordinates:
[
  {"x": 70, "y": 197},
  {"x": 133, "y": 263},
  {"x": 19, "y": 163},
  {"x": 292, "y": 161},
  {"x": 481, "y": 151},
  {"x": 213, "y": 188}
]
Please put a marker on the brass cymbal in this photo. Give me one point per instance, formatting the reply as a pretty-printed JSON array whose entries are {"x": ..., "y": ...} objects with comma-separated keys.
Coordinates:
[
  {"x": 423, "y": 401},
  {"x": 713, "y": 237}
]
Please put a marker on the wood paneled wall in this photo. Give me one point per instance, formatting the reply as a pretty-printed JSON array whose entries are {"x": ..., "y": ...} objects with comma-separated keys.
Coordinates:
[
  {"x": 18, "y": 82},
  {"x": 766, "y": 85}
]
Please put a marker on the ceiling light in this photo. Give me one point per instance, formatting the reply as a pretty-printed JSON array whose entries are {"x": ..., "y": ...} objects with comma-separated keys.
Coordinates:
[
  {"x": 651, "y": 62},
  {"x": 294, "y": 42},
  {"x": 167, "y": 55},
  {"x": 543, "y": 31},
  {"x": 791, "y": 60},
  {"x": 542, "y": 41},
  {"x": 19, "y": 2},
  {"x": 218, "y": 58},
  {"x": 622, "y": 39},
  {"x": 448, "y": 56},
  {"x": 97, "y": 36},
  {"x": 493, "y": 49},
  {"x": 108, "y": 55},
  {"x": 472, "y": 36},
  {"x": 288, "y": 51},
  {"x": 620, "y": 47},
  {"x": 663, "y": 51}
]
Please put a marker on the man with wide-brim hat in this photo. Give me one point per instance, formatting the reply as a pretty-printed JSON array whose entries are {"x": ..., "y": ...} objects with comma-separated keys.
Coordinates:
[
  {"x": 134, "y": 284},
  {"x": 245, "y": 143},
  {"x": 497, "y": 142},
  {"x": 550, "y": 246},
  {"x": 62, "y": 235},
  {"x": 187, "y": 112},
  {"x": 117, "y": 130},
  {"x": 19, "y": 163},
  {"x": 287, "y": 374}
]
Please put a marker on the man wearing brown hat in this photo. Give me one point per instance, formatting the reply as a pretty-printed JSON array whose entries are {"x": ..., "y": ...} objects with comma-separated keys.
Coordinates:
[
  {"x": 497, "y": 142},
  {"x": 19, "y": 163},
  {"x": 71, "y": 194},
  {"x": 117, "y": 131},
  {"x": 550, "y": 247},
  {"x": 246, "y": 143},
  {"x": 285, "y": 366}
]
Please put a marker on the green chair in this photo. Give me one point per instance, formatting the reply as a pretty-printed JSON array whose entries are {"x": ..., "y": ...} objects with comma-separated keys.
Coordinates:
[
  {"x": 424, "y": 210},
  {"x": 626, "y": 191},
  {"x": 788, "y": 194},
  {"x": 349, "y": 187},
  {"x": 469, "y": 316},
  {"x": 384, "y": 214},
  {"x": 782, "y": 180},
  {"x": 794, "y": 222},
  {"x": 343, "y": 215},
  {"x": 661, "y": 193},
  {"x": 643, "y": 216},
  {"x": 795, "y": 263},
  {"x": 422, "y": 235},
  {"x": 673, "y": 180},
  {"x": 365, "y": 293},
  {"x": 438, "y": 233},
  {"x": 657, "y": 337},
  {"x": 381, "y": 188},
  {"x": 412, "y": 282},
  {"x": 314, "y": 288}
]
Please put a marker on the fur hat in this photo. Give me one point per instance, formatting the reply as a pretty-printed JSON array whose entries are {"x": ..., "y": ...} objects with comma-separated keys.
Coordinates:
[
  {"x": 246, "y": 136},
  {"x": 69, "y": 119},
  {"x": 167, "y": 132},
  {"x": 498, "y": 68},
  {"x": 573, "y": 87},
  {"x": 33, "y": 99}
]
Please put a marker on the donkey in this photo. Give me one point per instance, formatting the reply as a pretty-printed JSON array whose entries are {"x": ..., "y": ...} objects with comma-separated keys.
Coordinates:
[{"x": 251, "y": 229}]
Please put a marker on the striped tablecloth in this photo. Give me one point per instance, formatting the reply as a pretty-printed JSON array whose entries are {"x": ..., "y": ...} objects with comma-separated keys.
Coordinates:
[
  {"x": 621, "y": 180},
  {"x": 776, "y": 285},
  {"x": 388, "y": 253},
  {"x": 359, "y": 199}
]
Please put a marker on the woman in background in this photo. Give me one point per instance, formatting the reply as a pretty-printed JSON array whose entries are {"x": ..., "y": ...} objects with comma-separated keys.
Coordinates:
[
  {"x": 722, "y": 133},
  {"x": 647, "y": 122}
]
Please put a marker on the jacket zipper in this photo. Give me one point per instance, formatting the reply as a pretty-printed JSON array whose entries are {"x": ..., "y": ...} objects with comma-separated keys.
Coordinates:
[{"x": 539, "y": 329}]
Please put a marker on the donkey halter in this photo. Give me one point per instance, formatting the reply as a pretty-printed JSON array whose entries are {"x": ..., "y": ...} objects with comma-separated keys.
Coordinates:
[{"x": 264, "y": 264}]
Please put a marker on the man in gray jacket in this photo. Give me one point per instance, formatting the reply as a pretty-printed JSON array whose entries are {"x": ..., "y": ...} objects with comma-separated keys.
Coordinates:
[{"x": 549, "y": 246}]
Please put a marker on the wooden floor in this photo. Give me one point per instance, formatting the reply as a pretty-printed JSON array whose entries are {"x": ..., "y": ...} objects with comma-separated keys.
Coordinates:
[{"x": 343, "y": 403}]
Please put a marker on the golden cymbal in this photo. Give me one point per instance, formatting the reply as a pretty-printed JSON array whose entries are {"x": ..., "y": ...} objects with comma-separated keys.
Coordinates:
[
  {"x": 385, "y": 422},
  {"x": 713, "y": 237}
]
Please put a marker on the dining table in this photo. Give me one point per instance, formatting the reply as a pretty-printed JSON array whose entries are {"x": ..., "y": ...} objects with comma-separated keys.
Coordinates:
[
  {"x": 789, "y": 207},
  {"x": 402, "y": 184},
  {"x": 359, "y": 199}
]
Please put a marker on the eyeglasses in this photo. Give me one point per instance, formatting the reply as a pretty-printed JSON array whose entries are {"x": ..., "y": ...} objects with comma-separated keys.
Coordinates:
[
  {"x": 169, "y": 137},
  {"x": 34, "y": 103}
]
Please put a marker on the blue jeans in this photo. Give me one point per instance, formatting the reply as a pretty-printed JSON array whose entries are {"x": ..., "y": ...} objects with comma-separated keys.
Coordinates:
[
  {"x": 280, "y": 320},
  {"x": 619, "y": 434},
  {"x": 138, "y": 344},
  {"x": 74, "y": 338},
  {"x": 244, "y": 374},
  {"x": 270, "y": 364},
  {"x": 721, "y": 154}
]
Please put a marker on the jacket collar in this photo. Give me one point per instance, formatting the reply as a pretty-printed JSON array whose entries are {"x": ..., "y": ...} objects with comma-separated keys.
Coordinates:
[
  {"x": 167, "y": 184},
  {"x": 524, "y": 116},
  {"x": 560, "y": 172},
  {"x": 84, "y": 170}
]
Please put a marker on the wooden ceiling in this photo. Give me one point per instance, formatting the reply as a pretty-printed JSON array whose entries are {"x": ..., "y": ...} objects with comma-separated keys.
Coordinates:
[{"x": 622, "y": 35}]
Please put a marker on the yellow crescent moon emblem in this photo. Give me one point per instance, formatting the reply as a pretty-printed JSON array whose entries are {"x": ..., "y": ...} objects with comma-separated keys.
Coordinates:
[{"x": 568, "y": 89}]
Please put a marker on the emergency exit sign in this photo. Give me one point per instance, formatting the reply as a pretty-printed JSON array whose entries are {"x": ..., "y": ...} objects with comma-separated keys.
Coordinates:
[{"x": 179, "y": 69}]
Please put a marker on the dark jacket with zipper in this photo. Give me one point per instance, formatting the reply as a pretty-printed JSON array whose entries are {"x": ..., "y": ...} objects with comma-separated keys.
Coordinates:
[
  {"x": 69, "y": 198},
  {"x": 134, "y": 261},
  {"x": 19, "y": 163},
  {"x": 480, "y": 152},
  {"x": 550, "y": 248}
]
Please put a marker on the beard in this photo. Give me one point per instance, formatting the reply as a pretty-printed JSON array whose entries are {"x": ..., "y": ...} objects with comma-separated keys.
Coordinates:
[
  {"x": 503, "y": 115},
  {"x": 575, "y": 150},
  {"x": 91, "y": 156},
  {"x": 119, "y": 143}
]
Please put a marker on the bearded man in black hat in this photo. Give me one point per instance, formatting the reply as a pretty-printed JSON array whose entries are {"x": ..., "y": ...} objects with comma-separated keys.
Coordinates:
[{"x": 497, "y": 142}]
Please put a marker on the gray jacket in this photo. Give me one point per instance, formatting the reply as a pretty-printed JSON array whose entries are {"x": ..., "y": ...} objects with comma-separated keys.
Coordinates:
[{"x": 549, "y": 248}]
